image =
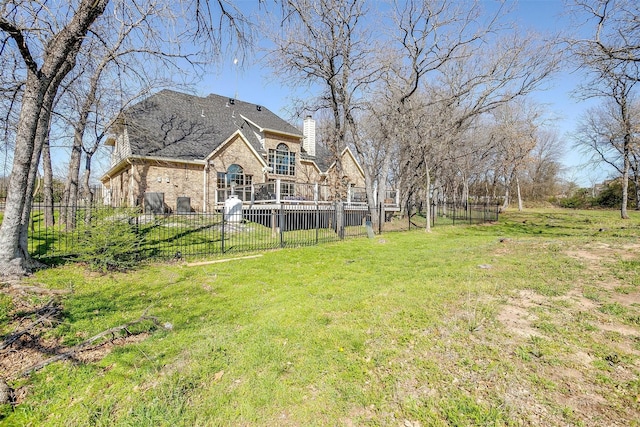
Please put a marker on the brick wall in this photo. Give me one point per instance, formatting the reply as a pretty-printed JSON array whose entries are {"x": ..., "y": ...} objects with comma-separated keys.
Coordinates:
[
  {"x": 238, "y": 152},
  {"x": 175, "y": 179}
]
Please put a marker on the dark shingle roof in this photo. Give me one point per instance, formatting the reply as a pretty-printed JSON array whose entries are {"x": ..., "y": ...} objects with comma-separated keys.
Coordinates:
[
  {"x": 323, "y": 158},
  {"x": 176, "y": 125}
]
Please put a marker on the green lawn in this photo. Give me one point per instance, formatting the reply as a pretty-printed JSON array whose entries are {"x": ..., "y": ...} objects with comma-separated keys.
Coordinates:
[{"x": 534, "y": 320}]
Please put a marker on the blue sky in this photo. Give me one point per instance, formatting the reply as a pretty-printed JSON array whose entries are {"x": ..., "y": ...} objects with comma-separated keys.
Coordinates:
[{"x": 252, "y": 82}]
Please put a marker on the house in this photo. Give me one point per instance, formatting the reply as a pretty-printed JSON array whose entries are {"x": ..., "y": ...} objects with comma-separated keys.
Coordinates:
[{"x": 189, "y": 153}]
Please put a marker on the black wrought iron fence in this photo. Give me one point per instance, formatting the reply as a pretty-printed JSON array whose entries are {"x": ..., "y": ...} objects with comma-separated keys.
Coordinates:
[
  {"x": 464, "y": 213},
  {"x": 194, "y": 234},
  {"x": 250, "y": 228},
  {"x": 415, "y": 217}
]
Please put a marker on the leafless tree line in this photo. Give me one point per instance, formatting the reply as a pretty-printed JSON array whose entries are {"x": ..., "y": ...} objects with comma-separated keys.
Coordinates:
[{"x": 430, "y": 95}]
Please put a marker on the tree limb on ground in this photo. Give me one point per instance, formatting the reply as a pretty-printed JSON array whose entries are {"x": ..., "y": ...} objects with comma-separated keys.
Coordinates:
[
  {"x": 45, "y": 314},
  {"x": 83, "y": 345},
  {"x": 37, "y": 290}
]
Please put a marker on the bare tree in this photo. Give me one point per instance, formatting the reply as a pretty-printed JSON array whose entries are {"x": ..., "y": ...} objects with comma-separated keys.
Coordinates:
[
  {"x": 47, "y": 39},
  {"x": 57, "y": 57},
  {"x": 616, "y": 34},
  {"x": 108, "y": 59},
  {"x": 515, "y": 129},
  {"x": 447, "y": 44},
  {"x": 613, "y": 73},
  {"x": 329, "y": 43},
  {"x": 544, "y": 167},
  {"x": 11, "y": 87},
  {"x": 607, "y": 134}
]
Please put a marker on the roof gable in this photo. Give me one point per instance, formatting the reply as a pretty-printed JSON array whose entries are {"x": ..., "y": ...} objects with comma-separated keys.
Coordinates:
[
  {"x": 347, "y": 151},
  {"x": 240, "y": 137},
  {"x": 182, "y": 126}
]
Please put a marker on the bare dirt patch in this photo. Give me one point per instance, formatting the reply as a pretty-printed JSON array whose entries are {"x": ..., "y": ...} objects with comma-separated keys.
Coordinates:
[
  {"x": 628, "y": 299},
  {"x": 589, "y": 375},
  {"x": 518, "y": 320}
]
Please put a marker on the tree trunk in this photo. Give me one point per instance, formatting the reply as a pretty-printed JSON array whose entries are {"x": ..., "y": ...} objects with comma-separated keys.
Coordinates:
[
  {"x": 428, "y": 197},
  {"x": 11, "y": 258},
  {"x": 86, "y": 189},
  {"x": 41, "y": 137},
  {"x": 372, "y": 202},
  {"x": 382, "y": 188},
  {"x": 636, "y": 182},
  {"x": 625, "y": 179},
  {"x": 47, "y": 169},
  {"x": 507, "y": 196},
  {"x": 69, "y": 204},
  {"x": 520, "y": 208},
  {"x": 39, "y": 91},
  {"x": 436, "y": 197}
]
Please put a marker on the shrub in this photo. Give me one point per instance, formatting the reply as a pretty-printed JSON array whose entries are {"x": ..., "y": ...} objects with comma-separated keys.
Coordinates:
[
  {"x": 581, "y": 199},
  {"x": 110, "y": 243},
  {"x": 610, "y": 196}
]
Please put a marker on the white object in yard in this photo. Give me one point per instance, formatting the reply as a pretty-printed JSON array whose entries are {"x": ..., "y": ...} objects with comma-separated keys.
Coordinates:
[{"x": 233, "y": 209}]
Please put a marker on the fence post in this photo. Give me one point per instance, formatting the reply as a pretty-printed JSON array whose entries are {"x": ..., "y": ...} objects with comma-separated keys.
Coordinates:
[
  {"x": 281, "y": 222},
  {"x": 317, "y": 220},
  {"x": 222, "y": 238},
  {"x": 278, "y": 191},
  {"x": 339, "y": 219}
]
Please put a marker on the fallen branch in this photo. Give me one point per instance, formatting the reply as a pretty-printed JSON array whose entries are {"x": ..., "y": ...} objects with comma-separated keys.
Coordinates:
[
  {"x": 38, "y": 290},
  {"x": 84, "y": 344},
  {"x": 216, "y": 261},
  {"x": 45, "y": 314}
]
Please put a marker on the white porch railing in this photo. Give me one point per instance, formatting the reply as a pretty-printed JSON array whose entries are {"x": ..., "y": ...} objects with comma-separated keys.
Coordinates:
[{"x": 277, "y": 192}]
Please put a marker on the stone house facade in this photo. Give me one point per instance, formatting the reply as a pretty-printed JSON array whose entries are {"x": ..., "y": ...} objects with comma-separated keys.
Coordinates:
[{"x": 189, "y": 153}]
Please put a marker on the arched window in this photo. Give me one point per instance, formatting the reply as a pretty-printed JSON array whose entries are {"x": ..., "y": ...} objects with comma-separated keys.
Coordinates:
[
  {"x": 282, "y": 161},
  {"x": 233, "y": 177},
  {"x": 234, "y": 181}
]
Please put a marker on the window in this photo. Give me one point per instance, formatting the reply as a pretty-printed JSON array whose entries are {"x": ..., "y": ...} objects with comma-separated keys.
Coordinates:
[
  {"x": 282, "y": 161},
  {"x": 233, "y": 177}
]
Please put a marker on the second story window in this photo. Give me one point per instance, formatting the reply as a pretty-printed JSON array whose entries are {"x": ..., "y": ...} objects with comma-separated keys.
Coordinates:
[{"x": 282, "y": 160}]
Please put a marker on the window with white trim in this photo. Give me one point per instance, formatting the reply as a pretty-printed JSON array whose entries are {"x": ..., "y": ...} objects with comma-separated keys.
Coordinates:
[
  {"x": 233, "y": 177},
  {"x": 282, "y": 161}
]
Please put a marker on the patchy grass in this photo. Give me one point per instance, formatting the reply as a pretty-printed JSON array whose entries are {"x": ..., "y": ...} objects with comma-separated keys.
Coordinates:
[{"x": 520, "y": 322}]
